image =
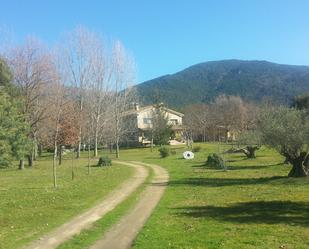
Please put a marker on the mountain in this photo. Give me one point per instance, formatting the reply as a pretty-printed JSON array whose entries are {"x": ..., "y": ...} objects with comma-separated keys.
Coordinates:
[{"x": 251, "y": 80}]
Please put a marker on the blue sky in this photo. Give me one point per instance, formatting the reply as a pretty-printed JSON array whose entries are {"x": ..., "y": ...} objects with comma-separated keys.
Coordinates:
[{"x": 167, "y": 36}]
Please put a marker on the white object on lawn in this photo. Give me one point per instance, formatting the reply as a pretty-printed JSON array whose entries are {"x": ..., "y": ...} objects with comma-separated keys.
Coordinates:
[{"x": 188, "y": 155}]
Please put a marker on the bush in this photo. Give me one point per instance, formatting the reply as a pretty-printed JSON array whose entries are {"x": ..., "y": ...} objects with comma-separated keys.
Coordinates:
[
  {"x": 173, "y": 152},
  {"x": 196, "y": 149},
  {"x": 104, "y": 161},
  {"x": 214, "y": 160},
  {"x": 164, "y": 152}
]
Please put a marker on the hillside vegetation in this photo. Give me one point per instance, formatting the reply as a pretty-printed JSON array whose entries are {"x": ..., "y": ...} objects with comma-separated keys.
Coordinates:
[{"x": 251, "y": 80}]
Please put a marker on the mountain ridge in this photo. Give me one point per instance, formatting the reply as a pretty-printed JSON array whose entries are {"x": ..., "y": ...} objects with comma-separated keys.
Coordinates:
[{"x": 253, "y": 80}]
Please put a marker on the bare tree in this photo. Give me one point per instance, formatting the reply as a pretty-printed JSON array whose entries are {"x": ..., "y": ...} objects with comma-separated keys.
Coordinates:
[
  {"x": 79, "y": 49},
  {"x": 99, "y": 93},
  {"x": 33, "y": 71},
  {"x": 124, "y": 95}
]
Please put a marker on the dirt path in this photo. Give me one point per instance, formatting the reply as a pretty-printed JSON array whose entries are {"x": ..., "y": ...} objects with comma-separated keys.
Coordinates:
[
  {"x": 67, "y": 230},
  {"x": 122, "y": 235}
]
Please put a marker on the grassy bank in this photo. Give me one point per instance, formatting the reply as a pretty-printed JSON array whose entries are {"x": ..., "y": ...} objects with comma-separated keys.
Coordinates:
[{"x": 30, "y": 206}]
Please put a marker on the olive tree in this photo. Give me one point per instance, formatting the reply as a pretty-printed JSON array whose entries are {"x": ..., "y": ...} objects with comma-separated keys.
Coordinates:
[
  {"x": 287, "y": 130},
  {"x": 251, "y": 141}
]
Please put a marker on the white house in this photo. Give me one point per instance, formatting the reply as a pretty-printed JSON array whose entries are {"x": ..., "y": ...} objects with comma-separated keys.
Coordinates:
[{"x": 141, "y": 118}]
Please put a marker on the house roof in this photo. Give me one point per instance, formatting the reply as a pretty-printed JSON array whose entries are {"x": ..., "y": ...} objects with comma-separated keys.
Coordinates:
[{"x": 144, "y": 108}]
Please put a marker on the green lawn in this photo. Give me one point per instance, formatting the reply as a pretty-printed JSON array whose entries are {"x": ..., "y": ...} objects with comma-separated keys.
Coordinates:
[
  {"x": 30, "y": 206},
  {"x": 252, "y": 205}
]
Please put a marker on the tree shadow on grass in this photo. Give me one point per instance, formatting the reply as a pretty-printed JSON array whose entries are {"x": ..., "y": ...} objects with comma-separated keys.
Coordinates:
[
  {"x": 267, "y": 212},
  {"x": 220, "y": 182},
  {"x": 237, "y": 167}
]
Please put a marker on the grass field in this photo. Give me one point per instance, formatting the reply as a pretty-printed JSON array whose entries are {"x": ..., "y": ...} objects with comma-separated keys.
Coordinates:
[
  {"x": 30, "y": 206},
  {"x": 251, "y": 205}
]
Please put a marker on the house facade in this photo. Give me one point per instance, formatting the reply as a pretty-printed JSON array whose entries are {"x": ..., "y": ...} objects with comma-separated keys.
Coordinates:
[{"x": 141, "y": 122}]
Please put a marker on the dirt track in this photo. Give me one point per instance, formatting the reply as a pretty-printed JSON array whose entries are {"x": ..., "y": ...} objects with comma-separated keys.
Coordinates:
[
  {"x": 74, "y": 226},
  {"x": 122, "y": 235}
]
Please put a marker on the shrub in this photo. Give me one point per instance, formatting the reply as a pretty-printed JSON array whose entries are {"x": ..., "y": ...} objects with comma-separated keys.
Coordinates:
[
  {"x": 173, "y": 152},
  {"x": 104, "y": 161},
  {"x": 214, "y": 160},
  {"x": 164, "y": 152},
  {"x": 196, "y": 149}
]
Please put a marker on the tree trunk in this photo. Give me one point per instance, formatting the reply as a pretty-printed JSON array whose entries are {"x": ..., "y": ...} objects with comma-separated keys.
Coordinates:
[
  {"x": 250, "y": 151},
  {"x": 117, "y": 149},
  {"x": 78, "y": 149},
  {"x": 89, "y": 158},
  {"x": 72, "y": 166},
  {"x": 300, "y": 166},
  {"x": 54, "y": 166},
  {"x": 35, "y": 150},
  {"x": 96, "y": 145},
  {"x": 40, "y": 150},
  {"x": 60, "y": 155},
  {"x": 21, "y": 164},
  {"x": 30, "y": 160}
]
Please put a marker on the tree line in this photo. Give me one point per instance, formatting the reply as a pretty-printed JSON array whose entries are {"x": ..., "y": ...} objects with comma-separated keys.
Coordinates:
[
  {"x": 71, "y": 95},
  {"x": 283, "y": 128}
]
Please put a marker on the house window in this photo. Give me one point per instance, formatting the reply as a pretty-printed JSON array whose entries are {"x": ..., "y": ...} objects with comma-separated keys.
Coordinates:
[
  {"x": 174, "y": 121},
  {"x": 147, "y": 121}
]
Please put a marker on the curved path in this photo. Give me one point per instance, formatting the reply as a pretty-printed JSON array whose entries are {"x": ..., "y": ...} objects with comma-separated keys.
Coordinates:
[
  {"x": 122, "y": 235},
  {"x": 74, "y": 226}
]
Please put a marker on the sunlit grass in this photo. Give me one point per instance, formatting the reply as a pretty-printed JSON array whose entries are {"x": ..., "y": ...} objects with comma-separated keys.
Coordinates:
[
  {"x": 251, "y": 205},
  {"x": 30, "y": 205}
]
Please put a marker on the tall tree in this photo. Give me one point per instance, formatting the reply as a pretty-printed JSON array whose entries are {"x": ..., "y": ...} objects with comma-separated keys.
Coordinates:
[
  {"x": 79, "y": 51},
  {"x": 124, "y": 94},
  {"x": 14, "y": 142},
  {"x": 33, "y": 70},
  {"x": 98, "y": 96}
]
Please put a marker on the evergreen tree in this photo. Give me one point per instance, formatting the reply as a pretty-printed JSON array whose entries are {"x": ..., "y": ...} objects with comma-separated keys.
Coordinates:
[
  {"x": 14, "y": 143},
  {"x": 162, "y": 130}
]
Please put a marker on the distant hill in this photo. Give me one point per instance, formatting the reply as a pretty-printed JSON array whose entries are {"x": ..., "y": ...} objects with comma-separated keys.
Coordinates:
[{"x": 251, "y": 80}]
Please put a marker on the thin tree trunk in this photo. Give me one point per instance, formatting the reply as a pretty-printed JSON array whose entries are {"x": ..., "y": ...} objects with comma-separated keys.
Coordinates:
[
  {"x": 117, "y": 149},
  {"x": 21, "y": 164},
  {"x": 54, "y": 166},
  {"x": 60, "y": 154},
  {"x": 40, "y": 150},
  {"x": 72, "y": 166},
  {"x": 35, "y": 150},
  {"x": 79, "y": 147},
  {"x": 88, "y": 158},
  {"x": 96, "y": 144}
]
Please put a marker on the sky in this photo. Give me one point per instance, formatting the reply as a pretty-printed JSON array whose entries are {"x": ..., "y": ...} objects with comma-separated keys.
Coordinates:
[{"x": 168, "y": 36}]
